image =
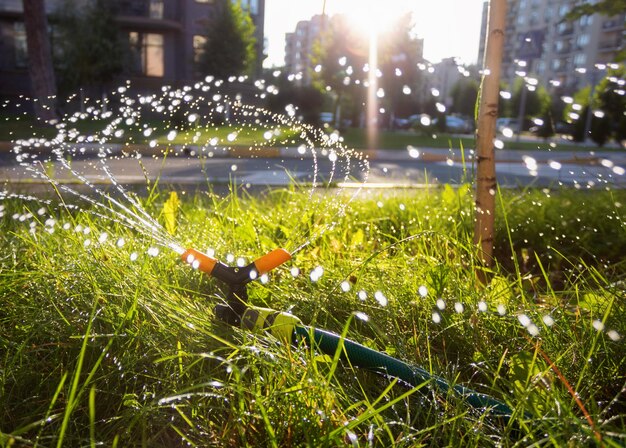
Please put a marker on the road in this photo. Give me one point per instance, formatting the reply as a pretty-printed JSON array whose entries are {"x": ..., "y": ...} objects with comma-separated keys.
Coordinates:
[{"x": 387, "y": 169}]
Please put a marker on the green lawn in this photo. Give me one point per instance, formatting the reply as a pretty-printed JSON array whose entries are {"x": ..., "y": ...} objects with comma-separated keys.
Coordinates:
[
  {"x": 112, "y": 344},
  {"x": 251, "y": 135}
]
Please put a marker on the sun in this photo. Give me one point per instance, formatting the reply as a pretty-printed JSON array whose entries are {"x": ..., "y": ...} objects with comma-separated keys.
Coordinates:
[{"x": 372, "y": 17}]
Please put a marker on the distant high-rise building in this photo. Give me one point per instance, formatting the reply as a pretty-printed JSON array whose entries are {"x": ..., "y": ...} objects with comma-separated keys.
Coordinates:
[
  {"x": 557, "y": 52},
  {"x": 299, "y": 47},
  {"x": 165, "y": 37}
]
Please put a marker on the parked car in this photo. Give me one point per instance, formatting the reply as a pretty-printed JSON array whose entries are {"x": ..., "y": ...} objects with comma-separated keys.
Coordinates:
[
  {"x": 457, "y": 125},
  {"x": 506, "y": 123},
  {"x": 326, "y": 117}
]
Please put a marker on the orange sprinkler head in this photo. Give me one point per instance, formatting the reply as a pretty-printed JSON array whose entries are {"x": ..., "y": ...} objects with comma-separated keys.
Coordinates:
[
  {"x": 271, "y": 260},
  {"x": 199, "y": 260}
]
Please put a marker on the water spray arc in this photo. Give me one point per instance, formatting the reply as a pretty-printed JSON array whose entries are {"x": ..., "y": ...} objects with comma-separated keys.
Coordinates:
[{"x": 290, "y": 329}]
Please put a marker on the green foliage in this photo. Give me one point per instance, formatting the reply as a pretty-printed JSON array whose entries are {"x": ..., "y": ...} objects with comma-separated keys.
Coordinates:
[
  {"x": 230, "y": 46},
  {"x": 90, "y": 50},
  {"x": 98, "y": 349},
  {"x": 464, "y": 96},
  {"x": 537, "y": 101},
  {"x": 546, "y": 129},
  {"x": 307, "y": 99},
  {"x": 342, "y": 50},
  {"x": 608, "y": 100}
]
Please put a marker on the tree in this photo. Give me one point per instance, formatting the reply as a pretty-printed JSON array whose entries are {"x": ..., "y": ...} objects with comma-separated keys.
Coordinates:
[
  {"x": 486, "y": 183},
  {"x": 342, "y": 53},
  {"x": 230, "y": 48},
  {"x": 537, "y": 100},
  {"x": 399, "y": 52},
  {"x": 608, "y": 104},
  {"x": 40, "y": 66},
  {"x": 464, "y": 95},
  {"x": 611, "y": 100},
  {"x": 90, "y": 48}
]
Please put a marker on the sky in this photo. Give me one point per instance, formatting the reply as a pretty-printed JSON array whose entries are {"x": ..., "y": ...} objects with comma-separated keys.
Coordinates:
[{"x": 450, "y": 28}]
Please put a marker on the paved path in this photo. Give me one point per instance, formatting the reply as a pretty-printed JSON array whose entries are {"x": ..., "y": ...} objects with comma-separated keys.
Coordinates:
[{"x": 388, "y": 168}]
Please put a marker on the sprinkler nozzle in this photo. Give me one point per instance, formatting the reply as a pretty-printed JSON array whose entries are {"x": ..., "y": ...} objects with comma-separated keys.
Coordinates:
[
  {"x": 199, "y": 260},
  {"x": 271, "y": 260}
]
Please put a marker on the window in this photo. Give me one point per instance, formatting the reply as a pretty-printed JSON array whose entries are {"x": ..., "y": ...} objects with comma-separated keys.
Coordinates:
[
  {"x": 199, "y": 42},
  {"x": 21, "y": 50},
  {"x": 563, "y": 9},
  {"x": 582, "y": 40},
  {"x": 585, "y": 21},
  {"x": 147, "y": 52},
  {"x": 156, "y": 9},
  {"x": 252, "y": 6},
  {"x": 580, "y": 59}
]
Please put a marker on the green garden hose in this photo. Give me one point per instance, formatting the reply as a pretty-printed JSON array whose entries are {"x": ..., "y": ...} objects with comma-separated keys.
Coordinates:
[
  {"x": 289, "y": 329},
  {"x": 360, "y": 356}
]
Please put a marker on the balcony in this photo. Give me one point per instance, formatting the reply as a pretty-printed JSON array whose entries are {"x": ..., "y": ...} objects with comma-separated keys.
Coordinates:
[
  {"x": 14, "y": 7},
  {"x": 610, "y": 44},
  {"x": 148, "y": 15}
]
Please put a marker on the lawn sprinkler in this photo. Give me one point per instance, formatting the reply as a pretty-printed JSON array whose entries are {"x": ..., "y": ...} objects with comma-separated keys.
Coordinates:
[{"x": 290, "y": 329}]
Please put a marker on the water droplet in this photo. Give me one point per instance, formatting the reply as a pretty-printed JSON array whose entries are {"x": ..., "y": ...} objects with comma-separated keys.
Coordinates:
[
  {"x": 294, "y": 271},
  {"x": 233, "y": 167},
  {"x": 524, "y": 320},
  {"x": 413, "y": 152},
  {"x": 361, "y": 315},
  {"x": 380, "y": 298},
  {"x": 316, "y": 273},
  {"x": 133, "y": 256},
  {"x": 482, "y": 306},
  {"x": 548, "y": 320},
  {"x": 103, "y": 237},
  {"x": 533, "y": 329},
  {"x": 345, "y": 286},
  {"x": 153, "y": 251},
  {"x": 422, "y": 291},
  {"x": 241, "y": 262},
  {"x": 265, "y": 278},
  {"x": 436, "y": 317},
  {"x": 87, "y": 242},
  {"x": 230, "y": 258},
  {"x": 501, "y": 309},
  {"x": 120, "y": 242},
  {"x": 458, "y": 307},
  {"x": 253, "y": 274},
  {"x": 598, "y": 325},
  {"x": 441, "y": 304},
  {"x": 613, "y": 335},
  {"x": 362, "y": 295}
]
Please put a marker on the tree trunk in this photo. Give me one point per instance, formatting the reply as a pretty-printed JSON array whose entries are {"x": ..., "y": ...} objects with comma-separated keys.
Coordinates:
[
  {"x": 486, "y": 185},
  {"x": 40, "y": 59}
]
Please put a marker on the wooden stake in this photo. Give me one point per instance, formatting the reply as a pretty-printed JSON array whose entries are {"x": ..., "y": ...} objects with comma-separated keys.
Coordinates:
[{"x": 486, "y": 185}]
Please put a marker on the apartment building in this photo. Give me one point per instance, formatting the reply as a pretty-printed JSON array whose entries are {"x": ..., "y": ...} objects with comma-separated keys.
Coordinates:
[
  {"x": 165, "y": 35},
  {"x": 299, "y": 47},
  {"x": 558, "y": 53}
]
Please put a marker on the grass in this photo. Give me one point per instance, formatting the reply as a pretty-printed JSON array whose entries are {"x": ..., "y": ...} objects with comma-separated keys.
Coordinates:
[
  {"x": 100, "y": 348},
  {"x": 356, "y": 138}
]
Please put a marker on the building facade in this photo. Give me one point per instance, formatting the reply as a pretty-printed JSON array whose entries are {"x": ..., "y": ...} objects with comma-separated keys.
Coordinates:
[
  {"x": 299, "y": 47},
  {"x": 165, "y": 38},
  {"x": 557, "y": 52}
]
